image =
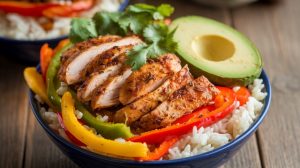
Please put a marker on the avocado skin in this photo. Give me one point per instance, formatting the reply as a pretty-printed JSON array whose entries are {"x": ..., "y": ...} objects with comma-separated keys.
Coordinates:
[{"x": 219, "y": 80}]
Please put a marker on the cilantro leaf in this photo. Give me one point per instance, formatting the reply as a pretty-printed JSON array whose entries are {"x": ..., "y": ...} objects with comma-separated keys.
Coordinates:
[
  {"x": 155, "y": 32},
  {"x": 157, "y": 13},
  {"x": 169, "y": 43},
  {"x": 140, "y": 19},
  {"x": 137, "y": 57},
  {"x": 106, "y": 23},
  {"x": 165, "y": 10},
  {"x": 82, "y": 29},
  {"x": 134, "y": 23}
]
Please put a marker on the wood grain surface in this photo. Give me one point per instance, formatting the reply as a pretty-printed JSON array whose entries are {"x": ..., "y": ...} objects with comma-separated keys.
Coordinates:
[{"x": 275, "y": 31}]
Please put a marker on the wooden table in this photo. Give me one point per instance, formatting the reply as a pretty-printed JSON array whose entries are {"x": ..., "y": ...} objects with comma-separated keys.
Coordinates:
[{"x": 275, "y": 29}]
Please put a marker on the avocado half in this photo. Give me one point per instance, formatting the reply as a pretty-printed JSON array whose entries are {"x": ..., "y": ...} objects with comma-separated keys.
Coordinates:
[{"x": 225, "y": 56}]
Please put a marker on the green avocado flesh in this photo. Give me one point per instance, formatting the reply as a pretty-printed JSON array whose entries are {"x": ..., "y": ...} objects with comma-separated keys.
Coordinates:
[{"x": 222, "y": 54}]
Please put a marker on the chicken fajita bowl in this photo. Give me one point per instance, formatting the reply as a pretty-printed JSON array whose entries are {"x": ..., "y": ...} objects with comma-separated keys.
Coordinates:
[{"x": 137, "y": 88}]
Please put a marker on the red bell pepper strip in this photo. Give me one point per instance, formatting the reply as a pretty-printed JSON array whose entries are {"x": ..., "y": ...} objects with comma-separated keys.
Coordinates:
[
  {"x": 196, "y": 114},
  {"x": 69, "y": 135},
  {"x": 69, "y": 10},
  {"x": 161, "y": 150},
  {"x": 176, "y": 130},
  {"x": 242, "y": 95},
  {"x": 46, "y": 54},
  {"x": 25, "y": 8}
]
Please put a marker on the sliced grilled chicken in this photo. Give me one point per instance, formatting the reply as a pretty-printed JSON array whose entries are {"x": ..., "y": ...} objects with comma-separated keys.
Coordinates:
[
  {"x": 106, "y": 59},
  {"x": 96, "y": 79},
  {"x": 72, "y": 72},
  {"x": 102, "y": 71},
  {"x": 107, "y": 95},
  {"x": 149, "y": 77},
  {"x": 193, "y": 95},
  {"x": 147, "y": 103},
  {"x": 69, "y": 55}
]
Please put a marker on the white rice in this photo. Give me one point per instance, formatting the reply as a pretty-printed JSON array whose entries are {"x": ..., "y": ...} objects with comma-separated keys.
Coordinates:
[
  {"x": 78, "y": 114},
  {"x": 50, "y": 117},
  {"x": 62, "y": 89},
  {"x": 29, "y": 28},
  {"x": 206, "y": 139},
  {"x": 104, "y": 118}
]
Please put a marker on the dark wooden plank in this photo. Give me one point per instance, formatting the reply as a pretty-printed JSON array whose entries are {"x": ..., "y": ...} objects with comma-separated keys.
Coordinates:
[
  {"x": 13, "y": 113},
  {"x": 247, "y": 157},
  {"x": 275, "y": 30},
  {"x": 40, "y": 151}
]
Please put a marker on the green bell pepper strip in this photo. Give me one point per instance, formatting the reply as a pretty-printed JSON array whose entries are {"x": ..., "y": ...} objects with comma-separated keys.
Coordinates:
[
  {"x": 107, "y": 130},
  {"x": 51, "y": 77}
]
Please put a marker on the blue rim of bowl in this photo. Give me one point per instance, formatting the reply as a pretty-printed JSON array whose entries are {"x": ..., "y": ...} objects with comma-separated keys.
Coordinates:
[
  {"x": 122, "y": 7},
  {"x": 216, "y": 151}
]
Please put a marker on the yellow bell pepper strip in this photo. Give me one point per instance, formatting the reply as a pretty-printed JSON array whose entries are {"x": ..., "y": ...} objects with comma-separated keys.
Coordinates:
[
  {"x": 161, "y": 150},
  {"x": 46, "y": 54},
  {"x": 36, "y": 83},
  {"x": 68, "y": 10},
  {"x": 94, "y": 142},
  {"x": 25, "y": 8},
  {"x": 69, "y": 135}
]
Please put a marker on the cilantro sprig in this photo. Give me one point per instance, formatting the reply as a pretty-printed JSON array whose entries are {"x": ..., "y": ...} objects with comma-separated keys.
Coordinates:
[{"x": 144, "y": 20}]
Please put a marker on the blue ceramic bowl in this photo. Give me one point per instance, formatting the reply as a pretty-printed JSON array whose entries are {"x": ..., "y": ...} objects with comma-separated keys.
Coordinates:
[
  {"x": 210, "y": 159},
  {"x": 28, "y": 51}
]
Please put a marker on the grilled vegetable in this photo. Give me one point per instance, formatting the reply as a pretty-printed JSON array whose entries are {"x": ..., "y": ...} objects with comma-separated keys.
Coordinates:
[
  {"x": 36, "y": 83},
  {"x": 94, "y": 142}
]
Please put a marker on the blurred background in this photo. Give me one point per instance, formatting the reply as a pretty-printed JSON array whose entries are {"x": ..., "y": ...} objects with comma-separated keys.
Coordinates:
[{"x": 273, "y": 25}]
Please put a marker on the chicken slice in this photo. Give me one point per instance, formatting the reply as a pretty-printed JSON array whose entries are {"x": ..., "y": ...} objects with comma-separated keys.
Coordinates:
[
  {"x": 107, "y": 95},
  {"x": 195, "y": 94},
  {"x": 71, "y": 72},
  {"x": 149, "y": 77},
  {"x": 106, "y": 59},
  {"x": 69, "y": 55},
  {"x": 84, "y": 93},
  {"x": 135, "y": 110},
  {"x": 82, "y": 46},
  {"x": 110, "y": 65}
]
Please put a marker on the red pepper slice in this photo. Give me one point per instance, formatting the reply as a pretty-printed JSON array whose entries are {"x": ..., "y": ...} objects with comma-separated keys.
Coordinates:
[
  {"x": 46, "y": 54},
  {"x": 206, "y": 119},
  {"x": 161, "y": 150},
  {"x": 196, "y": 114},
  {"x": 69, "y": 10},
  {"x": 69, "y": 135},
  {"x": 25, "y": 8},
  {"x": 242, "y": 95}
]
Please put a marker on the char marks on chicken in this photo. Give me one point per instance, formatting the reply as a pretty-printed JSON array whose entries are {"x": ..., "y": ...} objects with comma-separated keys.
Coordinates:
[
  {"x": 195, "y": 94},
  {"x": 147, "y": 103},
  {"x": 149, "y": 77},
  {"x": 73, "y": 68}
]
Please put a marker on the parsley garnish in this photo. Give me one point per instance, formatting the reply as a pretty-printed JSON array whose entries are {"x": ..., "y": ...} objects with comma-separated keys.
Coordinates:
[{"x": 147, "y": 21}]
